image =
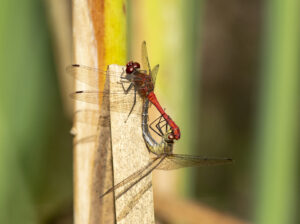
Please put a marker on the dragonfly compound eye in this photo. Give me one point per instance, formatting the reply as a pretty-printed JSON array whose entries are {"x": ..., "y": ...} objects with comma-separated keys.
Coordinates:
[
  {"x": 130, "y": 63},
  {"x": 129, "y": 69},
  {"x": 136, "y": 65}
]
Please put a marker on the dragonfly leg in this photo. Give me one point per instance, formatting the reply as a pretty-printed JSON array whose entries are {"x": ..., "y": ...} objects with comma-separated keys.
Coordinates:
[
  {"x": 134, "y": 102},
  {"x": 161, "y": 124},
  {"x": 159, "y": 133},
  {"x": 126, "y": 90},
  {"x": 158, "y": 126},
  {"x": 123, "y": 81},
  {"x": 122, "y": 75}
]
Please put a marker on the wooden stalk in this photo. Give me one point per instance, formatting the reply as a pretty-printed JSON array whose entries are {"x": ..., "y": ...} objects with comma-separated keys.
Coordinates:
[
  {"x": 115, "y": 149},
  {"x": 129, "y": 155}
]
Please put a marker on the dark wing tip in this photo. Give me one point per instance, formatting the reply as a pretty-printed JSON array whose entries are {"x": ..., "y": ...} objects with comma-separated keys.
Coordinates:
[
  {"x": 230, "y": 160},
  {"x": 70, "y": 68},
  {"x": 73, "y": 95}
]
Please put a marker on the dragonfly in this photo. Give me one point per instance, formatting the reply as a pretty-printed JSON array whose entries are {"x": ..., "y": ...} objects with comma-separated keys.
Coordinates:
[
  {"x": 142, "y": 81},
  {"x": 164, "y": 158}
]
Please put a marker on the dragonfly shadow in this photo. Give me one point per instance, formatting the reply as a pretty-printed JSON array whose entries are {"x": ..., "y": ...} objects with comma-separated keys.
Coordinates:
[{"x": 103, "y": 210}]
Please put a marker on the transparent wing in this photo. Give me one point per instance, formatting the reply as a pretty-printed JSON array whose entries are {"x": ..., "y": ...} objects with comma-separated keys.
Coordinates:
[
  {"x": 89, "y": 75},
  {"x": 135, "y": 177},
  {"x": 92, "y": 117},
  {"x": 176, "y": 161},
  {"x": 88, "y": 96},
  {"x": 117, "y": 100},
  {"x": 145, "y": 60},
  {"x": 154, "y": 74}
]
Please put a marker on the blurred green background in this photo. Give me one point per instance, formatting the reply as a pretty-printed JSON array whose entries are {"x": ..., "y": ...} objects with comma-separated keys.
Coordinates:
[{"x": 229, "y": 71}]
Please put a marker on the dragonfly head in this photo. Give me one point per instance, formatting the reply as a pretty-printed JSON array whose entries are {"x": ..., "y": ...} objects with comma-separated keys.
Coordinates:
[
  {"x": 169, "y": 137},
  {"x": 132, "y": 66}
]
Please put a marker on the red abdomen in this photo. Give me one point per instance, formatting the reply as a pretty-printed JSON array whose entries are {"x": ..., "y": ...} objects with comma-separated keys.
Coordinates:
[{"x": 176, "y": 131}]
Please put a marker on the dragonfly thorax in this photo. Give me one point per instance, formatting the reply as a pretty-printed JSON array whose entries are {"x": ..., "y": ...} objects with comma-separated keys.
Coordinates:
[{"x": 143, "y": 82}]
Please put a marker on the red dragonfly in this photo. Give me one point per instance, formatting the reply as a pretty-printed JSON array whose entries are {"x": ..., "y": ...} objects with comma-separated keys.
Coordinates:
[{"x": 141, "y": 80}]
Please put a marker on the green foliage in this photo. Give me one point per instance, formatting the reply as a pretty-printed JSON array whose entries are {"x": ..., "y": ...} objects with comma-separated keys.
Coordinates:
[
  {"x": 279, "y": 122},
  {"x": 35, "y": 158}
]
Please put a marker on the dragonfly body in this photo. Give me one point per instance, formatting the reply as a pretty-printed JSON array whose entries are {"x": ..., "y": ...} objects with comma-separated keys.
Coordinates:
[
  {"x": 163, "y": 147},
  {"x": 142, "y": 81},
  {"x": 174, "y": 127},
  {"x": 144, "y": 85}
]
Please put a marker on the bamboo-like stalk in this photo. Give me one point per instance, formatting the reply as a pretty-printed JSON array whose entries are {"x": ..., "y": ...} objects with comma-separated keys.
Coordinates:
[
  {"x": 99, "y": 33},
  {"x": 129, "y": 155},
  {"x": 279, "y": 116},
  {"x": 89, "y": 49},
  {"x": 85, "y": 48}
]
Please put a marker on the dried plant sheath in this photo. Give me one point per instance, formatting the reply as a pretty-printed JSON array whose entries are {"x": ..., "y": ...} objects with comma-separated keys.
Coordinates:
[
  {"x": 99, "y": 39},
  {"x": 84, "y": 153},
  {"x": 130, "y": 154}
]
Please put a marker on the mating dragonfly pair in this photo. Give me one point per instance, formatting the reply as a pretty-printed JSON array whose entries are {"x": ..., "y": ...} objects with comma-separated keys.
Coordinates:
[{"x": 143, "y": 82}]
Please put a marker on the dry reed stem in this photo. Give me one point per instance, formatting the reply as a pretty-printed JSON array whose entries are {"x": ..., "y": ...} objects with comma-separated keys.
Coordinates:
[
  {"x": 129, "y": 155},
  {"x": 59, "y": 16},
  {"x": 85, "y": 48}
]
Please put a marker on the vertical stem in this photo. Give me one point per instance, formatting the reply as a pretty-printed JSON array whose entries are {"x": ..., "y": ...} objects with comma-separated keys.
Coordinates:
[
  {"x": 189, "y": 86},
  {"x": 59, "y": 15},
  {"x": 129, "y": 155},
  {"x": 99, "y": 36},
  {"x": 279, "y": 115}
]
